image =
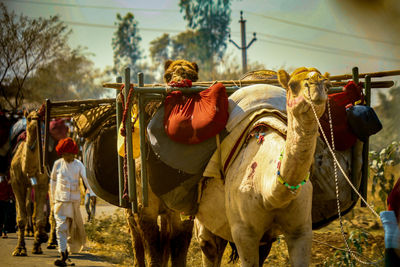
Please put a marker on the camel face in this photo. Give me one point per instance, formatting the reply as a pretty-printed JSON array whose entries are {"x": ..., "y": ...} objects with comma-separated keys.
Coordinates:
[
  {"x": 305, "y": 87},
  {"x": 179, "y": 70},
  {"x": 31, "y": 122}
]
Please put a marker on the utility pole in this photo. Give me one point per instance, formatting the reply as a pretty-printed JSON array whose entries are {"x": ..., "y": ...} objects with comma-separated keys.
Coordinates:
[{"x": 244, "y": 47}]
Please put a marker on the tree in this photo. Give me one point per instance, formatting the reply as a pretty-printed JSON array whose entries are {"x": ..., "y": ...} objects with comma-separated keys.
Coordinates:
[
  {"x": 159, "y": 49},
  {"x": 387, "y": 111},
  {"x": 125, "y": 44},
  {"x": 72, "y": 77},
  {"x": 211, "y": 20},
  {"x": 26, "y": 44}
]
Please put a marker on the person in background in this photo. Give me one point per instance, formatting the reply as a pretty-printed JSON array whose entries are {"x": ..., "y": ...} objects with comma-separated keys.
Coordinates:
[
  {"x": 65, "y": 194},
  {"x": 390, "y": 220},
  {"x": 6, "y": 200}
]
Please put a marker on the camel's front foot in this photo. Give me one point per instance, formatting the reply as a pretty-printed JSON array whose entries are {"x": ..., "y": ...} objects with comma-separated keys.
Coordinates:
[
  {"x": 20, "y": 251},
  {"x": 52, "y": 245},
  {"x": 28, "y": 233},
  {"x": 42, "y": 238},
  {"x": 36, "y": 248}
]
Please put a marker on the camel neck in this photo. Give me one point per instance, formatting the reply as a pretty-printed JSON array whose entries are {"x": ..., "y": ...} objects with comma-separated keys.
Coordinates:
[
  {"x": 299, "y": 150},
  {"x": 30, "y": 141}
]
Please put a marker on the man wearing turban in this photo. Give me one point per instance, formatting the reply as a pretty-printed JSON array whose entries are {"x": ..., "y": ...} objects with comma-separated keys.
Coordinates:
[{"x": 65, "y": 194}]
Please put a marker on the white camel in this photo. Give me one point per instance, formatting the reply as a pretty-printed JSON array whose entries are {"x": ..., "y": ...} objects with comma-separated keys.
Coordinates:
[{"x": 260, "y": 199}]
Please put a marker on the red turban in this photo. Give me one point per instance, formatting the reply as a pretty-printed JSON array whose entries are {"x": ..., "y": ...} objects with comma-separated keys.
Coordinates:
[{"x": 66, "y": 145}]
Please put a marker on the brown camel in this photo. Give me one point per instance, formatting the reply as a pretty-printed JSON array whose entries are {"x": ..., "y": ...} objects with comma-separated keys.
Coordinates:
[
  {"x": 24, "y": 171},
  {"x": 152, "y": 242}
]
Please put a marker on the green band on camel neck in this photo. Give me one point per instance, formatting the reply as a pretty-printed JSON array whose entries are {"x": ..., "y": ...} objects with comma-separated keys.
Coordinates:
[{"x": 292, "y": 188}]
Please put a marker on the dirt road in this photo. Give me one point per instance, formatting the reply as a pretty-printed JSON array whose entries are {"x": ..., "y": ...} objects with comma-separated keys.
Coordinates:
[{"x": 85, "y": 258}]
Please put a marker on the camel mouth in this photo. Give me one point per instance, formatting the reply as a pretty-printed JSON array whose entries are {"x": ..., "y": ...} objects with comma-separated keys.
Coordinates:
[{"x": 316, "y": 99}]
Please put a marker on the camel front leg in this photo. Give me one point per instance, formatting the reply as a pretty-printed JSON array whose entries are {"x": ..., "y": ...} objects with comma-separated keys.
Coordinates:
[
  {"x": 20, "y": 198},
  {"x": 180, "y": 239},
  {"x": 212, "y": 246},
  {"x": 52, "y": 244},
  {"x": 137, "y": 242},
  {"x": 40, "y": 218},
  {"x": 247, "y": 243},
  {"x": 150, "y": 231},
  {"x": 299, "y": 247},
  {"x": 298, "y": 231}
]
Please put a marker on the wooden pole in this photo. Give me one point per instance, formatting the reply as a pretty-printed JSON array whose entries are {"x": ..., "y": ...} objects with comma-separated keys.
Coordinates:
[
  {"x": 199, "y": 86},
  {"x": 365, "y": 152},
  {"x": 370, "y": 74},
  {"x": 143, "y": 147},
  {"x": 353, "y": 161},
  {"x": 73, "y": 103},
  {"x": 118, "y": 110},
  {"x": 128, "y": 148},
  {"x": 46, "y": 134},
  {"x": 40, "y": 145}
]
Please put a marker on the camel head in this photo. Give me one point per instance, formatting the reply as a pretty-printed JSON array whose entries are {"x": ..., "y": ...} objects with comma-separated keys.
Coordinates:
[
  {"x": 31, "y": 123},
  {"x": 305, "y": 86},
  {"x": 178, "y": 70}
]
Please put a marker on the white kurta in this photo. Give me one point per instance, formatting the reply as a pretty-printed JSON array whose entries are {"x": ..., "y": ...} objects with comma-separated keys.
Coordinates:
[{"x": 65, "y": 195}]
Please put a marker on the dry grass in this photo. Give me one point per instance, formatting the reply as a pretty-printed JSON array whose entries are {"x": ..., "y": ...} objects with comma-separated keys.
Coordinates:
[{"x": 109, "y": 238}]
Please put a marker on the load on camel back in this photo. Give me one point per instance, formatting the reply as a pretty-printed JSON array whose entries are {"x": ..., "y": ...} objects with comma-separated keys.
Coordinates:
[{"x": 200, "y": 135}]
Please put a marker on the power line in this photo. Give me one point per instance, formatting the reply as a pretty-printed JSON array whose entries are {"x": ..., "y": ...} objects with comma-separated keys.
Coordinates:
[
  {"x": 289, "y": 42},
  {"x": 335, "y": 50},
  {"x": 351, "y": 35},
  {"x": 96, "y": 7},
  {"x": 115, "y": 27},
  {"x": 321, "y": 50},
  {"x": 323, "y": 29}
]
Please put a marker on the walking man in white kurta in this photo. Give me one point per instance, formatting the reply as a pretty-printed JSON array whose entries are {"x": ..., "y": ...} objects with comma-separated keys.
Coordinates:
[{"x": 65, "y": 195}]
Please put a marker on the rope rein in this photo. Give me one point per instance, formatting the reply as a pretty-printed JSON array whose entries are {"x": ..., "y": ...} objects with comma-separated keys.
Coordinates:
[
  {"x": 335, "y": 165},
  {"x": 337, "y": 162},
  {"x": 123, "y": 133}
]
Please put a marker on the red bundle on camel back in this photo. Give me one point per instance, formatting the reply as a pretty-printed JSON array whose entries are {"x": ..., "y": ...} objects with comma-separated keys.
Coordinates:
[
  {"x": 343, "y": 136},
  {"x": 195, "y": 118}
]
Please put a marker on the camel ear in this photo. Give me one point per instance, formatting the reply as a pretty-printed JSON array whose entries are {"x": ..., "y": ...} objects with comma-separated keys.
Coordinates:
[
  {"x": 196, "y": 68},
  {"x": 327, "y": 75},
  {"x": 283, "y": 78},
  {"x": 26, "y": 113},
  {"x": 167, "y": 63}
]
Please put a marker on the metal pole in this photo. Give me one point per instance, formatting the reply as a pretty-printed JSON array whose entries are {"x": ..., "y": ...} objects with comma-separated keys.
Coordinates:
[
  {"x": 118, "y": 110},
  {"x": 128, "y": 148},
  {"x": 143, "y": 147},
  {"x": 244, "y": 49},
  {"x": 365, "y": 152}
]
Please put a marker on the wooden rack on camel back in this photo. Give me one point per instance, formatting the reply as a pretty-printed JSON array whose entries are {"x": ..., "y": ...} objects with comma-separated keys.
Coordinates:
[{"x": 127, "y": 194}]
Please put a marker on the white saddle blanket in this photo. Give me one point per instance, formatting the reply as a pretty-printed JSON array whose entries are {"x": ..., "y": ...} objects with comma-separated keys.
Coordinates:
[{"x": 248, "y": 107}]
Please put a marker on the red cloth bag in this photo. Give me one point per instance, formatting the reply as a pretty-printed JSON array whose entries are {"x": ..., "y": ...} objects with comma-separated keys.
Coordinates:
[
  {"x": 343, "y": 136},
  {"x": 393, "y": 200},
  {"x": 197, "y": 117},
  {"x": 58, "y": 129}
]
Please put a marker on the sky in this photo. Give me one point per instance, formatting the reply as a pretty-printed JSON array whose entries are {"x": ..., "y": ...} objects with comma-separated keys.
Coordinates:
[{"x": 331, "y": 35}]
